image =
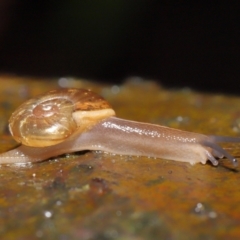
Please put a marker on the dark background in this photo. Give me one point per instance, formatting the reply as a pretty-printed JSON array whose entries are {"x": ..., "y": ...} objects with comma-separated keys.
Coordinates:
[{"x": 181, "y": 45}]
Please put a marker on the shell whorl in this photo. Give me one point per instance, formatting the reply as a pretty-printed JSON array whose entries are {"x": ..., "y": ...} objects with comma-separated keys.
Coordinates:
[{"x": 52, "y": 117}]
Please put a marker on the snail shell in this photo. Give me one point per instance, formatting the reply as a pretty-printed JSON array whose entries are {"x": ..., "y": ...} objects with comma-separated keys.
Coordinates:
[{"x": 52, "y": 117}]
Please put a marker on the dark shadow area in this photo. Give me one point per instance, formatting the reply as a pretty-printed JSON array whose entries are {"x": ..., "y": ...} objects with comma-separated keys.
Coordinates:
[{"x": 194, "y": 45}]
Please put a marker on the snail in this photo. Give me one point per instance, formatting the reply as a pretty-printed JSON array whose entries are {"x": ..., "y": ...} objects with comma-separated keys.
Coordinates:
[{"x": 69, "y": 120}]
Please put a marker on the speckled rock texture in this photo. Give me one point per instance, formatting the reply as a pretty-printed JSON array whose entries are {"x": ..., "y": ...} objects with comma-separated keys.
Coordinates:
[{"x": 96, "y": 195}]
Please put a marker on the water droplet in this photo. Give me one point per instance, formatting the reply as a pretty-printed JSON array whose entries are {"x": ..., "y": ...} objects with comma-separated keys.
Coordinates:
[
  {"x": 58, "y": 203},
  {"x": 179, "y": 118},
  {"x": 115, "y": 89},
  {"x": 48, "y": 214},
  {"x": 63, "y": 82},
  {"x": 199, "y": 208},
  {"x": 212, "y": 214}
]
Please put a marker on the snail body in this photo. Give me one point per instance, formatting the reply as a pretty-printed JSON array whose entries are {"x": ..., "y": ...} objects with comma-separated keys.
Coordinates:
[{"x": 87, "y": 122}]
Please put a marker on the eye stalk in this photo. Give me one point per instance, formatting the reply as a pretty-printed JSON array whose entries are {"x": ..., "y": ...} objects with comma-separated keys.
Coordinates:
[{"x": 51, "y": 118}]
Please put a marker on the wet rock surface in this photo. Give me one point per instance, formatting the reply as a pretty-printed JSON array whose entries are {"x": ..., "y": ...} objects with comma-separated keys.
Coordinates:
[{"x": 96, "y": 195}]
